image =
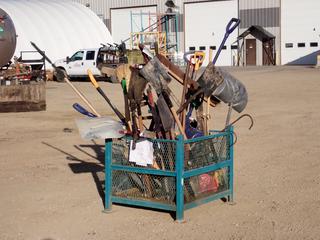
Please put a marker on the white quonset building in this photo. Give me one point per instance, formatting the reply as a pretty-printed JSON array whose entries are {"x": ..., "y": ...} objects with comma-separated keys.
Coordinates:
[
  {"x": 58, "y": 27},
  {"x": 271, "y": 31}
]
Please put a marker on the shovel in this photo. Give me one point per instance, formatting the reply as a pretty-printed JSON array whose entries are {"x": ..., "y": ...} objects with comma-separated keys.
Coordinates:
[
  {"x": 208, "y": 80},
  {"x": 63, "y": 76},
  {"x": 219, "y": 83},
  {"x": 114, "y": 108}
]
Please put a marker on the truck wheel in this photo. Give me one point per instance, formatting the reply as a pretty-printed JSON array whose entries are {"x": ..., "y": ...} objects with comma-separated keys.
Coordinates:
[
  {"x": 59, "y": 75},
  {"x": 112, "y": 79}
]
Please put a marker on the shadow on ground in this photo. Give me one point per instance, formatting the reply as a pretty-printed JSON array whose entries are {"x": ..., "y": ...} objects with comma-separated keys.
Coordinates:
[
  {"x": 96, "y": 169},
  {"x": 79, "y": 166}
]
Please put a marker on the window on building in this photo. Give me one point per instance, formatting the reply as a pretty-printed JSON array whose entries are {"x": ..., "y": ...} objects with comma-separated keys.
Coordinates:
[
  {"x": 301, "y": 44},
  {"x": 90, "y": 55},
  {"x": 202, "y": 48},
  {"x": 313, "y": 44},
  {"x": 192, "y": 48},
  {"x": 213, "y": 47},
  {"x": 289, "y": 45},
  {"x": 234, "y": 46}
]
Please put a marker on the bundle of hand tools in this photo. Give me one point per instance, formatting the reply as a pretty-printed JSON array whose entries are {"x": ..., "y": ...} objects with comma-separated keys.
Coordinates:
[
  {"x": 148, "y": 85},
  {"x": 152, "y": 111}
]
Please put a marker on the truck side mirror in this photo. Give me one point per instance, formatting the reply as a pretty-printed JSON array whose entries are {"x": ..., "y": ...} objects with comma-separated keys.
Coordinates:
[{"x": 68, "y": 59}]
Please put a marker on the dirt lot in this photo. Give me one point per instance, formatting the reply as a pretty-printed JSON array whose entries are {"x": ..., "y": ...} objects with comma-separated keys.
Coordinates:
[{"x": 49, "y": 178}]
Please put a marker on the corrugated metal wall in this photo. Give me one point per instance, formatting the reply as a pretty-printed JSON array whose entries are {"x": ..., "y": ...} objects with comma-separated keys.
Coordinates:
[
  {"x": 102, "y": 7},
  {"x": 265, "y": 13},
  {"x": 254, "y": 4}
]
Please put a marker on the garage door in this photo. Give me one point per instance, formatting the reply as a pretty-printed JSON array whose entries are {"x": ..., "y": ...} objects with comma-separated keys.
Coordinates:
[
  {"x": 205, "y": 25},
  {"x": 300, "y": 31},
  {"x": 127, "y": 20}
]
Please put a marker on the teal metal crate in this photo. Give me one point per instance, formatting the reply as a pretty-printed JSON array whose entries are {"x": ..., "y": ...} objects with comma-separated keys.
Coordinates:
[{"x": 185, "y": 173}]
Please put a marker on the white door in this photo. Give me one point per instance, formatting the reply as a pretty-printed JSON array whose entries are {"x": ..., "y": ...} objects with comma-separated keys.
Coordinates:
[
  {"x": 300, "y": 31},
  {"x": 90, "y": 62},
  {"x": 205, "y": 26},
  {"x": 75, "y": 65},
  {"x": 127, "y": 20}
]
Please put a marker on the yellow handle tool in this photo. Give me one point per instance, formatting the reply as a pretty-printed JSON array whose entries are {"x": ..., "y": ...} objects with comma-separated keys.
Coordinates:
[{"x": 115, "y": 110}]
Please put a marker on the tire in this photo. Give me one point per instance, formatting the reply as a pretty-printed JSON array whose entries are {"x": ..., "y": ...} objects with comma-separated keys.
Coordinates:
[
  {"x": 113, "y": 79},
  {"x": 59, "y": 74}
]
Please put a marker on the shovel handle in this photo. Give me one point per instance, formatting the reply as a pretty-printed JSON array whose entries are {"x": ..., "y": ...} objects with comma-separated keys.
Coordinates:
[
  {"x": 197, "y": 56},
  {"x": 186, "y": 54},
  {"x": 198, "y": 59},
  {"x": 115, "y": 110},
  {"x": 126, "y": 103},
  {"x": 42, "y": 54},
  {"x": 231, "y": 26},
  {"x": 92, "y": 79}
]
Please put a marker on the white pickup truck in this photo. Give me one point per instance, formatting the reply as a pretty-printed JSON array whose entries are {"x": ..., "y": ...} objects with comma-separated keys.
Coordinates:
[{"x": 101, "y": 61}]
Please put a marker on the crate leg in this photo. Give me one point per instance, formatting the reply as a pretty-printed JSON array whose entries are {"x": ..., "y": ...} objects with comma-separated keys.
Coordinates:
[
  {"x": 180, "y": 180},
  {"x": 108, "y": 176},
  {"x": 230, "y": 197},
  {"x": 230, "y": 172}
]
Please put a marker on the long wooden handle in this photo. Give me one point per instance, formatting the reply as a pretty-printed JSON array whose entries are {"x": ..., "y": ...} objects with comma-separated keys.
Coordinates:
[
  {"x": 207, "y": 117},
  {"x": 183, "y": 97},
  {"x": 176, "y": 118},
  {"x": 140, "y": 121}
]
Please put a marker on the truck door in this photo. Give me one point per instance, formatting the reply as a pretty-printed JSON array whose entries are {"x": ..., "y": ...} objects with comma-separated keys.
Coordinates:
[
  {"x": 90, "y": 62},
  {"x": 75, "y": 65}
]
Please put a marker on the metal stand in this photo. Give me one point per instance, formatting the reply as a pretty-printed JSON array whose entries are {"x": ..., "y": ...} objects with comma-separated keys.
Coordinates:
[{"x": 171, "y": 185}]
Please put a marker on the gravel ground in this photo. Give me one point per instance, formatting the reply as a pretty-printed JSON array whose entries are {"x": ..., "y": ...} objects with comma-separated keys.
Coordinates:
[{"x": 50, "y": 177}]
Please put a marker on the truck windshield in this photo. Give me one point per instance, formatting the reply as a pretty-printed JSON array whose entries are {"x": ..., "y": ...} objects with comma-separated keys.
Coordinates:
[{"x": 77, "y": 56}]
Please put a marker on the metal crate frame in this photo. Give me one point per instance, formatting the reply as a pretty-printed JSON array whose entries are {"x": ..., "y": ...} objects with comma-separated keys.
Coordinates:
[{"x": 179, "y": 173}]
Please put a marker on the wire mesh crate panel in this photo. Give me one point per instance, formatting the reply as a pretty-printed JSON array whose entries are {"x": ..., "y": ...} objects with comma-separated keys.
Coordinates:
[
  {"x": 120, "y": 151},
  {"x": 206, "y": 152},
  {"x": 163, "y": 154},
  {"x": 206, "y": 184},
  {"x": 148, "y": 187}
]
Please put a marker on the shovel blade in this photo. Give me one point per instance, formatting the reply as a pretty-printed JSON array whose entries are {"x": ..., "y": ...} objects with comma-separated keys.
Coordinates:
[
  {"x": 99, "y": 128},
  {"x": 210, "y": 79},
  {"x": 232, "y": 91},
  {"x": 165, "y": 114},
  {"x": 222, "y": 85},
  {"x": 156, "y": 74}
]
